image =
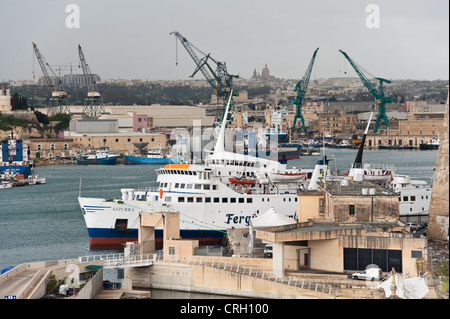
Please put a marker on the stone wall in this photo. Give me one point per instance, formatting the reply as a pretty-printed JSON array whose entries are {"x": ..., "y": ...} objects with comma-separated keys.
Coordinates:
[{"x": 439, "y": 207}]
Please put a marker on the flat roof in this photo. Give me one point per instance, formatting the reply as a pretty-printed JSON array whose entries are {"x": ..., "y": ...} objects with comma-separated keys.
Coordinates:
[{"x": 323, "y": 230}]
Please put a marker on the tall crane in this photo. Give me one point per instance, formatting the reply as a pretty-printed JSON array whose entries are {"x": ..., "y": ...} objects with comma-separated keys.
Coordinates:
[
  {"x": 93, "y": 107},
  {"x": 58, "y": 100},
  {"x": 381, "y": 100},
  {"x": 301, "y": 88},
  {"x": 220, "y": 79}
]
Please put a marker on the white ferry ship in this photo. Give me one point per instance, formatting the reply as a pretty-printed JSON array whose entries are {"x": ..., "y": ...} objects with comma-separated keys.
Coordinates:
[{"x": 225, "y": 192}]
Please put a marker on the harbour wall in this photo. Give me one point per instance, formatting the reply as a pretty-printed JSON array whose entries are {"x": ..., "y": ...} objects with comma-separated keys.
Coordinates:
[{"x": 211, "y": 280}]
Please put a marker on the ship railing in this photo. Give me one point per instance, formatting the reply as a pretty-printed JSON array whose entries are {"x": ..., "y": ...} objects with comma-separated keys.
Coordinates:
[{"x": 327, "y": 288}]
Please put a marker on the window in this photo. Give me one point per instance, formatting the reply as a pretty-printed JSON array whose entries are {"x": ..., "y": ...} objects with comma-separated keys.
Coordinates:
[
  {"x": 216, "y": 200},
  {"x": 190, "y": 199},
  {"x": 171, "y": 250},
  {"x": 39, "y": 147},
  {"x": 198, "y": 186},
  {"x": 224, "y": 200},
  {"x": 351, "y": 210},
  {"x": 198, "y": 199},
  {"x": 249, "y": 200},
  {"x": 405, "y": 198},
  {"x": 66, "y": 146},
  {"x": 52, "y": 146},
  {"x": 180, "y": 199},
  {"x": 214, "y": 187},
  {"x": 206, "y": 187},
  {"x": 177, "y": 185},
  {"x": 232, "y": 200},
  {"x": 182, "y": 185},
  {"x": 241, "y": 200},
  {"x": 189, "y": 186},
  {"x": 207, "y": 199},
  {"x": 413, "y": 198},
  {"x": 168, "y": 199},
  {"x": 321, "y": 205}
]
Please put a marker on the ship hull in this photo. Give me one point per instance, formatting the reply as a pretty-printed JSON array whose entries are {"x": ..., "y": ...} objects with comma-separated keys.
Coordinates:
[
  {"x": 16, "y": 169},
  {"x": 116, "y": 239},
  {"x": 149, "y": 160},
  {"x": 112, "y": 223},
  {"x": 427, "y": 147},
  {"x": 98, "y": 161}
]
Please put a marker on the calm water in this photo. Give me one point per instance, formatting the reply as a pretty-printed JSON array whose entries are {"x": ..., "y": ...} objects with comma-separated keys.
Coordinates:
[{"x": 45, "y": 222}]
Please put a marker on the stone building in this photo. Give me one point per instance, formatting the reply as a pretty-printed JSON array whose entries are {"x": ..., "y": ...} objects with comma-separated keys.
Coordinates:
[
  {"x": 5, "y": 100},
  {"x": 51, "y": 147},
  {"x": 121, "y": 143},
  {"x": 336, "y": 121},
  {"x": 341, "y": 229}
]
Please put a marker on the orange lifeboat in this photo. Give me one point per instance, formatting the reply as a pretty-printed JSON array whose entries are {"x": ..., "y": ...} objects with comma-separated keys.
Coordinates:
[{"x": 239, "y": 180}]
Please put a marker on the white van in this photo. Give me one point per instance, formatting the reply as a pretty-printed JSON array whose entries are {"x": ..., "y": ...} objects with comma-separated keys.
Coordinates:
[{"x": 368, "y": 274}]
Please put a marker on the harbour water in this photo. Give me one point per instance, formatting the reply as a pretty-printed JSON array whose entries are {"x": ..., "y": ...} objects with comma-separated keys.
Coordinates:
[{"x": 44, "y": 222}]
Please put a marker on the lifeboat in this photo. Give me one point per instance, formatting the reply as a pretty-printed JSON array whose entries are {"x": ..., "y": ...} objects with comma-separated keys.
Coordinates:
[
  {"x": 293, "y": 176},
  {"x": 239, "y": 180}
]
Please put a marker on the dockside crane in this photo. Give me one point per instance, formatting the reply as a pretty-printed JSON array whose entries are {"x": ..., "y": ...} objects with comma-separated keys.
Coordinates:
[
  {"x": 93, "y": 107},
  {"x": 301, "y": 88},
  {"x": 220, "y": 79},
  {"x": 58, "y": 100},
  {"x": 381, "y": 100}
]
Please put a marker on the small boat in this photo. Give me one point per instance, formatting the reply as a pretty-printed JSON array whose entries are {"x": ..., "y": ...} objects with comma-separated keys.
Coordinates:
[
  {"x": 290, "y": 176},
  {"x": 315, "y": 151},
  {"x": 103, "y": 156},
  {"x": 240, "y": 180},
  {"x": 432, "y": 145},
  {"x": 156, "y": 155},
  {"x": 5, "y": 184}
]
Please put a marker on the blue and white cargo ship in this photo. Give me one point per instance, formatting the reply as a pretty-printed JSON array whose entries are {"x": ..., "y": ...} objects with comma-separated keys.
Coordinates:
[{"x": 15, "y": 158}]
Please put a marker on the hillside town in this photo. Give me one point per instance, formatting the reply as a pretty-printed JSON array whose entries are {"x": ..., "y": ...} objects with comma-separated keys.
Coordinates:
[{"x": 148, "y": 111}]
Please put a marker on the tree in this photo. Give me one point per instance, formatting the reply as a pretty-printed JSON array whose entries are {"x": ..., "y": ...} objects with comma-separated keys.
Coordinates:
[
  {"x": 42, "y": 118},
  {"x": 18, "y": 102}
]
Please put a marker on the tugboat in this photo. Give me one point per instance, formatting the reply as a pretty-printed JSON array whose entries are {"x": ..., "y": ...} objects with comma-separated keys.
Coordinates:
[
  {"x": 432, "y": 145},
  {"x": 102, "y": 156}
]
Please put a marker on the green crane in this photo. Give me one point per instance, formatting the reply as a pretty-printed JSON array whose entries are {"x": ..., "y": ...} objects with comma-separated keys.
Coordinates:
[
  {"x": 377, "y": 93},
  {"x": 300, "y": 88}
]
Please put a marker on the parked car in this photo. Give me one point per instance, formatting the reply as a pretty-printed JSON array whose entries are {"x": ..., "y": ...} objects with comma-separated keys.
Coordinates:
[
  {"x": 368, "y": 274},
  {"x": 413, "y": 226},
  {"x": 423, "y": 225},
  {"x": 268, "y": 251}
]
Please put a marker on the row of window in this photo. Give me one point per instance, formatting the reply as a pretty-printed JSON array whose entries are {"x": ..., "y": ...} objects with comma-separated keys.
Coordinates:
[
  {"x": 412, "y": 198},
  {"x": 52, "y": 147},
  {"x": 232, "y": 162},
  {"x": 189, "y": 186},
  {"x": 232, "y": 200}
]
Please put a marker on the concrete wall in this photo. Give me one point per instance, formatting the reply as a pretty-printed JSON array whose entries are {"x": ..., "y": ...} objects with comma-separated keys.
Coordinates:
[{"x": 204, "y": 279}]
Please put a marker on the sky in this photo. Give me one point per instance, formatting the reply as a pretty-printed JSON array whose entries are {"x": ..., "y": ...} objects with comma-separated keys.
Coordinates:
[{"x": 131, "y": 39}]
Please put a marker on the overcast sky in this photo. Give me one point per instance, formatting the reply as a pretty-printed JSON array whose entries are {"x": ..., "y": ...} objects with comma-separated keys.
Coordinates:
[{"x": 130, "y": 39}]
